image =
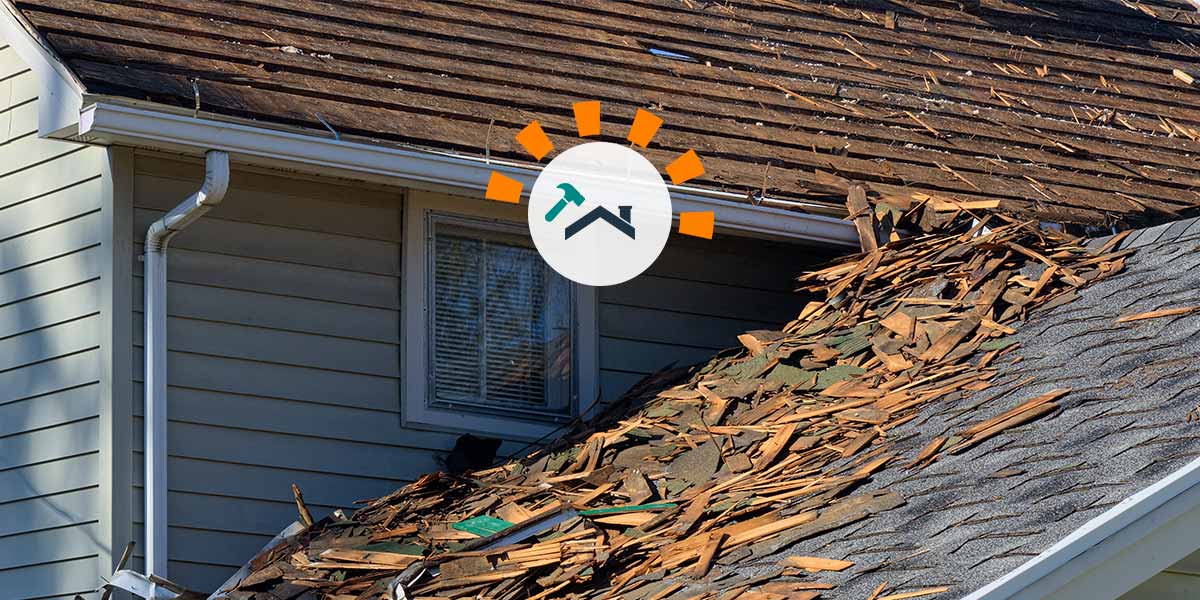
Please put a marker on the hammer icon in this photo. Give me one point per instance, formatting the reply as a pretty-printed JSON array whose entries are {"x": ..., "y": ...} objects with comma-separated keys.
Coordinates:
[{"x": 570, "y": 194}]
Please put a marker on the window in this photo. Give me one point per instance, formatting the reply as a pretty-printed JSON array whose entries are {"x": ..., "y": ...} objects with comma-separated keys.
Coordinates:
[
  {"x": 495, "y": 342},
  {"x": 501, "y": 323}
]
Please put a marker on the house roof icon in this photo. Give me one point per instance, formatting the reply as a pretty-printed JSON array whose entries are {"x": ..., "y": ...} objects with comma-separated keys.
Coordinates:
[{"x": 624, "y": 223}]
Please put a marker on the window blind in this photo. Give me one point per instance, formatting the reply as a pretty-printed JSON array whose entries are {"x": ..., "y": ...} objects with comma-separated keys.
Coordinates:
[{"x": 501, "y": 325}]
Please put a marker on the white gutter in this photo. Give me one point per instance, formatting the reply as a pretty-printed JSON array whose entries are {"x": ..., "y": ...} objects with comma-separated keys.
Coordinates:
[
  {"x": 210, "y": 194},
  {"x": 1103, "y": 558},
  {"x": 106, "y": 122}
]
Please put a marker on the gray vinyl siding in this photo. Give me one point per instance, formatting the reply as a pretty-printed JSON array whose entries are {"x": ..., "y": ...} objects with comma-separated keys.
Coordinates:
[
  {"x": 283, "y": 362},
  {"x": 51, "y": 263}
]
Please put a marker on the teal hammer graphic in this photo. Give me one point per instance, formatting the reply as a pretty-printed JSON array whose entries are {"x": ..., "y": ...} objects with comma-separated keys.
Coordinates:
[{"x": 570, "y": 194}]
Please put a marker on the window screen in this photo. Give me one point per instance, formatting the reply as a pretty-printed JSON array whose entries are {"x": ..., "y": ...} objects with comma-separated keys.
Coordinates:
[{"x": 501, "y": 324}]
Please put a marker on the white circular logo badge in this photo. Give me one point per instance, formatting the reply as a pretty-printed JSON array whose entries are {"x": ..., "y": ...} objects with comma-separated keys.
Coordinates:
[{"x": 599, "y": 214}]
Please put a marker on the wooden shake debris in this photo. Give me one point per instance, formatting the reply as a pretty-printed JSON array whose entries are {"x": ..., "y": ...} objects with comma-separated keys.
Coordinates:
[
  {"x": 743, "y": 458},
  {"x": 1158, "y": 314}
]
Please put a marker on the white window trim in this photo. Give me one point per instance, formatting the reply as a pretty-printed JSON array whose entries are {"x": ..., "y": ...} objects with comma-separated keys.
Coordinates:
[{"x": 415, "y": 331}]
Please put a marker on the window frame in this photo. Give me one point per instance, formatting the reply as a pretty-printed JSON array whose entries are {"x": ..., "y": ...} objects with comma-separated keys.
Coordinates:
[{"x": 420, "y": 208}]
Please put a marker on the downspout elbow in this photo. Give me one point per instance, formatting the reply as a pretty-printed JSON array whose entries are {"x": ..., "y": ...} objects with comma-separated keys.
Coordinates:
[{"x": 210, "y": 194}]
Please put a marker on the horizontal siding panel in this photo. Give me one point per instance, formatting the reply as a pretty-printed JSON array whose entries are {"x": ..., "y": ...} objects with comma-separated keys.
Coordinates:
[
  {"x": 227, "y": 548},
  {"x": 17, "y": 120},
  {"x": 287, "y": 279},
  {"x": 50, "y": 342},
  {"x": 647, "y": 357},
  {"x": 199, "y": 576},
  {"x": 613, "y": 384},
  {"x": 53, "y": 274},
  {"x": 49, "y": 444},
  {"x": 48, "y": 309},
  {"x": 667, "y": 327},
  {"x": 223, "y": 513},
  {"x": 19, "y": 153},
  {"x": 59, "y": 510},
  {"x": 67, "y": 578},
  {"x": 79, "y": 199},
  {"x": 60, "y": 239},
  {"x": 281, "y": 451},
  {"x": 46, "y": 177},
  {"x": 49, "y": 410},
  {"x": 11, "y": 63},
  {"x": 213, "y": 234},
  {"x": 236, "y": 376},
  {"x": 264, "y": 483},
  {"x": 756, "y": 264},
  {"x": 43, "y": 378},
  {"x": 332, "y": 420},
  {"x": 54, "y": 545},
  {"x": 277, "y": 312},
  {"x": 19, "y": 87},
  {"x": 281, "y": 203},
  {"x": 275, "y": 346},
  {"x": 693, "y": 297},
  {"x": 45, "y": 479}
]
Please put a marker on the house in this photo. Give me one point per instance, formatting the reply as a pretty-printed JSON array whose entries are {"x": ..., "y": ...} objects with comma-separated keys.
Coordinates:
[{"x": 343, "y": 149}]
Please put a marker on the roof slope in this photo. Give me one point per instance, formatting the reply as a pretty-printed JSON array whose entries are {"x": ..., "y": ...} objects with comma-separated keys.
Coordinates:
[
  {"x": 1123, "y": 427},
  {"x": 895, "y": 426},
  {"x": 1066, "y": 108}
]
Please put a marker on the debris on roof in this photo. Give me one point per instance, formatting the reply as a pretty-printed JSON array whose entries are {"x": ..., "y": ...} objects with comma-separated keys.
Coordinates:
[{"x": 762, "y": 447}]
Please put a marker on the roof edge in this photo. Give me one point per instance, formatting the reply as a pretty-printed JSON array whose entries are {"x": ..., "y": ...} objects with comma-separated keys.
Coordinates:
[
  {"x": 112, "y": 123},
  {"x": 62, "y": 91},
  {"x": 1144, "y": 533}
]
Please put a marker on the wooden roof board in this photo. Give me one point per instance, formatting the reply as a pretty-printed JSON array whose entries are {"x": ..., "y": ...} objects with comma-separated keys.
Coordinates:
[{"x": 1064, "y": 109}]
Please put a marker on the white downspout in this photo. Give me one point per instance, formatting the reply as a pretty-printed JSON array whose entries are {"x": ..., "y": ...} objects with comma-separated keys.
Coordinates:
[{"x": 216, "y": 182}]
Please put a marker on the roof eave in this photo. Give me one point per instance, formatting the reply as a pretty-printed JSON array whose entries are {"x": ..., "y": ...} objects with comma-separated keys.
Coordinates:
[
  {"x": 61, "y": 94},
  {"x": 1115, "y": 551},
  {"x": 112, "y": 122}
]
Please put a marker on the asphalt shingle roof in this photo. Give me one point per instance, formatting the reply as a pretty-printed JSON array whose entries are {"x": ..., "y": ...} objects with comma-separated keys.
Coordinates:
[{"x": 971, "y": 517}]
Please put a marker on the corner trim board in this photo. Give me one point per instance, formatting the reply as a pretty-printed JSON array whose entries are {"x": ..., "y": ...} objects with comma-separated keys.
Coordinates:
[{"x": 116, "y": 362}]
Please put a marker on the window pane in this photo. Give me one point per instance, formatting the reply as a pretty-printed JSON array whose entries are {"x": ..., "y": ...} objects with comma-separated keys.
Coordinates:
[
  {"x": 514, "y": 331},
  {"x": 457, "y": 327},
  {"x": 502, "y": 324}
]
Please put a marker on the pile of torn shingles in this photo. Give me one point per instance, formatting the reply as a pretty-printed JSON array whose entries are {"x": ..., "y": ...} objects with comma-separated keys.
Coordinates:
[{"x": 762, "y": 447}]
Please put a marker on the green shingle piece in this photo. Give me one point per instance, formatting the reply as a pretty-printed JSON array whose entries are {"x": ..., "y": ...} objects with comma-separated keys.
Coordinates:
[
  {"x": 997, "y": 344},
  {"x": 837, "y": 373},
  {"x": 790, "y": 375},
  {"x": 482, "y": 525},
  {"x": 613, "y": 510}
]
